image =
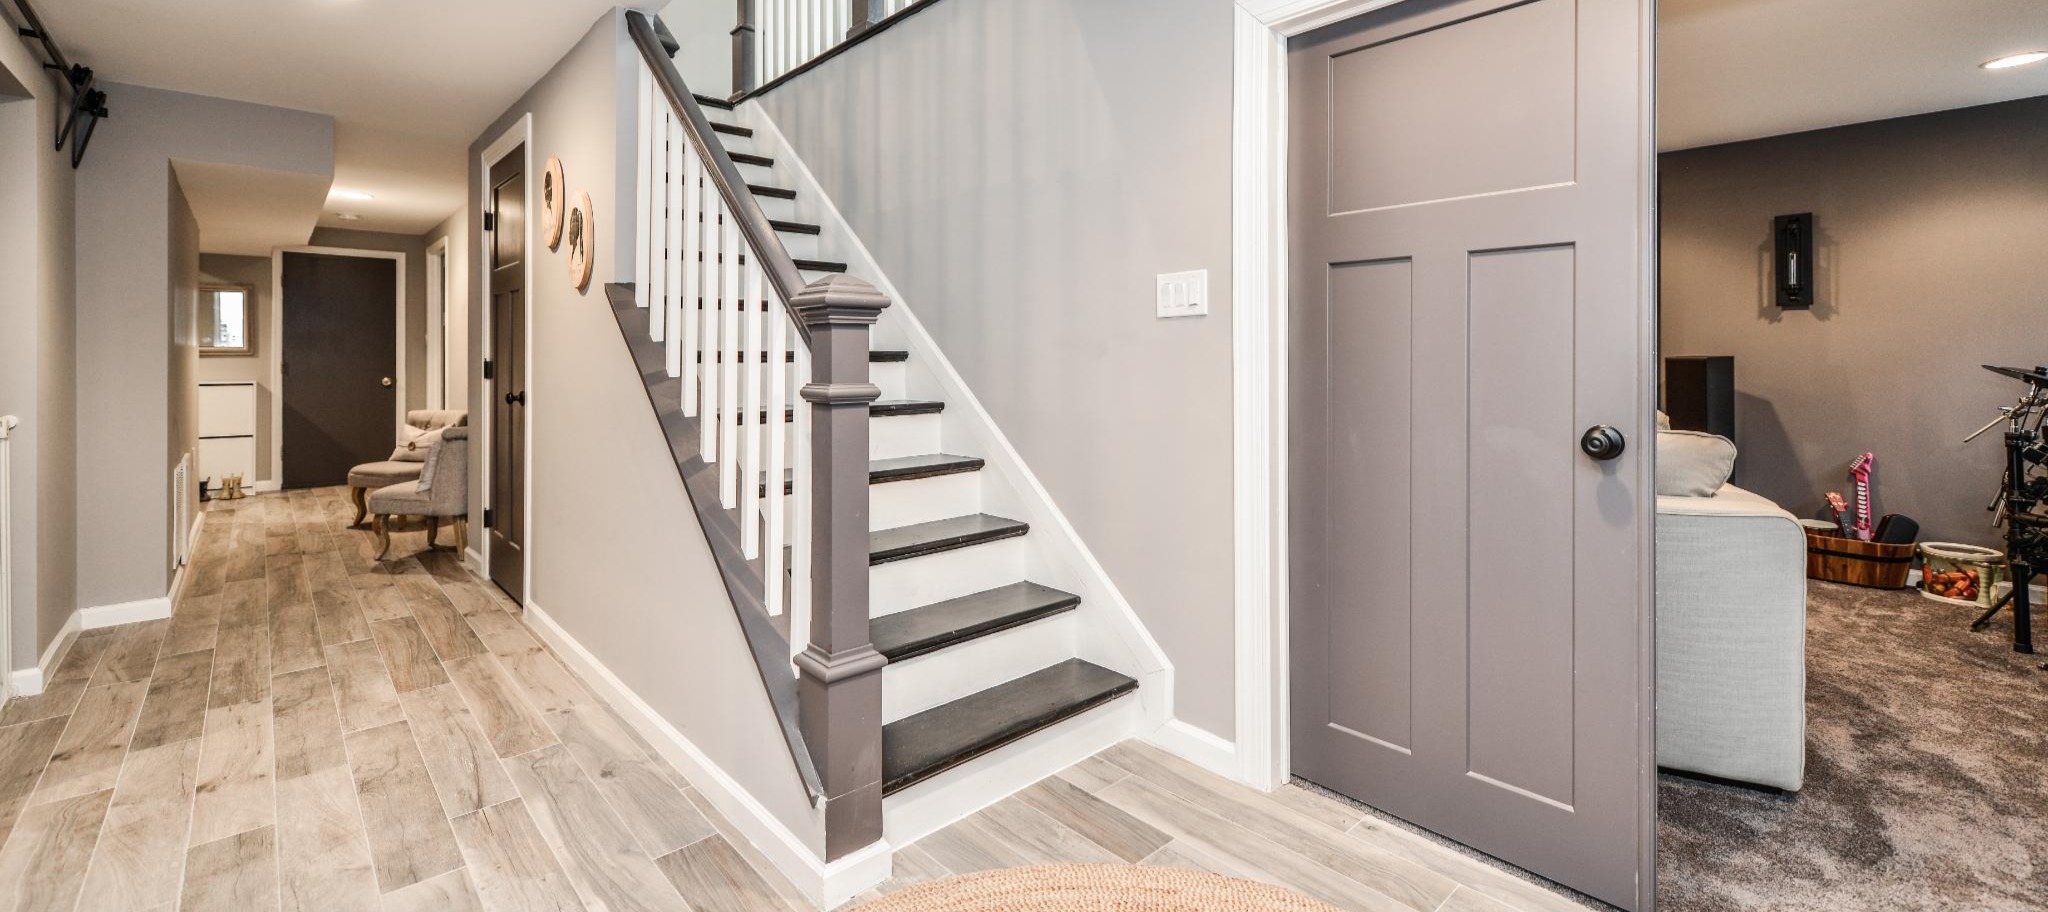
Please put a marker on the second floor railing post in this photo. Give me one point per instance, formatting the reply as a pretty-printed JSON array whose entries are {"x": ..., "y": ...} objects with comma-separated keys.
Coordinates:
[
  {"x": 839, "y": 691},
  {"x": 743, "y": 49},
  {"x": 866, "y": 14}
]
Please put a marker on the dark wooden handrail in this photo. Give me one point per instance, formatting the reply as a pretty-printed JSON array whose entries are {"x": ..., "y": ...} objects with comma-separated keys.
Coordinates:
[{"x": 776, "y": 263}]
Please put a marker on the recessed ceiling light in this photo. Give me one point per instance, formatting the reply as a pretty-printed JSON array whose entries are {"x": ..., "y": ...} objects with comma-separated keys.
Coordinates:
[
  {"x": 348, "y": 217},
  {"x": 2016, "y": 60},
  {"x": 356, "y": 195}
]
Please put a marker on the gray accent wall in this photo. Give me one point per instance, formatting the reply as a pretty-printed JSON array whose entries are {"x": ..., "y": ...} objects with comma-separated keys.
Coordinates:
[
  {"x": 618, "y": 560},
  {"x": 38, "y": 378},
  {"x": 704, "y": 29},
  {"x": 1932, "y": 235},
  {"x": 131, "y": 370},
  {"x": 1022, "y": 169}
]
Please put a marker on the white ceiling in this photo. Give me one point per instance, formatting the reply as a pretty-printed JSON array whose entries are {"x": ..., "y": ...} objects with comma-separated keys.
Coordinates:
[
  {"x": 1731, "y": 70},
  {"x": 410, "y": 83}
]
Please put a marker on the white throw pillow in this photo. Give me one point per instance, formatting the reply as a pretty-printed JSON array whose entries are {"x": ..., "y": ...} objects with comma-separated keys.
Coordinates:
[
  {"x": 1693, "y": 464},
  {"x": 1663, "y": 421},
  {"x": 414, "y": 443}
]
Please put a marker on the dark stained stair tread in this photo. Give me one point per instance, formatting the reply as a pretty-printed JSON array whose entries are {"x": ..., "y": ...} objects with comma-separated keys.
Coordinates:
[
  {"x": 731, "y": 129},
  {"x": 710, "y": 102},
  {"x": 795, "y": 227},
  {"x": 820, "y": 266},
  {"x": 873, "y": 357},
  {"x": 938, "y": 739},
  {"x": 909, "y": 634},
  {"x": 897, "y": 408},
  {"x": 776, "y": 192},
  {"x": 940, "y": 535},
  {"x": 749, "y": 158},
  {"x": 887, "y": 355},
  {"x": 910, "y": 468}
]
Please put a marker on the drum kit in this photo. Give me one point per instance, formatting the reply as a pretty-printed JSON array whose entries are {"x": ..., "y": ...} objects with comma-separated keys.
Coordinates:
[{"x": 2022, "y": 498}]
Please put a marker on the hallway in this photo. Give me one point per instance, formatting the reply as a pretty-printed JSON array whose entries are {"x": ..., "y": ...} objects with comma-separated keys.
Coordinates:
[{"x": 313, "y": 730}]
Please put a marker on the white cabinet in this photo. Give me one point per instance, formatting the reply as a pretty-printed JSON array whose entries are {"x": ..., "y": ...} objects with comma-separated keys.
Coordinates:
[{"x": 227, "y": 431}]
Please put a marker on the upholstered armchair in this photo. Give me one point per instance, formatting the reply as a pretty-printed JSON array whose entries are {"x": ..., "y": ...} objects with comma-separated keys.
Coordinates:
[
  {"x": 406, "y": 461},
  {"x": 440, "y": 493}
]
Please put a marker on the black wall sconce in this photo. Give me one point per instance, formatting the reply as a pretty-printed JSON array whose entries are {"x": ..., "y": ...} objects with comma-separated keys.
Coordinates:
[{"x": 1793, "y": 263}]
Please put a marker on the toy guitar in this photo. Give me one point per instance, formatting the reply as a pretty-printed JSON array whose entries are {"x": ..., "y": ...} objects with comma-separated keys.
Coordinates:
[
  {"x": 1840, "y": 509},
  {"x": 1859, "y": 472}
]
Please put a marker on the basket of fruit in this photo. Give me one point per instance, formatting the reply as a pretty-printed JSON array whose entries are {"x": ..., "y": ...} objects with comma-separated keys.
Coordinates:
[{"x": 1960, "y": 574}]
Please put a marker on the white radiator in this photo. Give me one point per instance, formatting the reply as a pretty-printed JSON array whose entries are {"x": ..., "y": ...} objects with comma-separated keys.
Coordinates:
[{"x": 181, "y": 506}]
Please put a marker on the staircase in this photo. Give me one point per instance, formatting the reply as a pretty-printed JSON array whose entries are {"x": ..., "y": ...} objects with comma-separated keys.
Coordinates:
[{"x": 979, "y": 656}]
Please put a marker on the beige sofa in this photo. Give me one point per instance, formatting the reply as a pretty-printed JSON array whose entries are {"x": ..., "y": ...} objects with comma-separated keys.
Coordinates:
[{"x": 1731, "y": 638}]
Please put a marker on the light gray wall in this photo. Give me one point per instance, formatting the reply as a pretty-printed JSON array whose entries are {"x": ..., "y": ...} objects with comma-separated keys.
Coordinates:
[
  {"x": 456, "y": 331},
  {"x": 415, "y": 250},
  {"x": 1022, "y": 169},
  {"x": 617, "y": 557},
  {"x": 38, "y": 380},
  {"x": 1932, "y": 235},
  {"x": 125, "y": 344},
  {"x": 704, "y": 29},
  {"x": 182, "y": 328},
  {"x": 255, "y": 367}
]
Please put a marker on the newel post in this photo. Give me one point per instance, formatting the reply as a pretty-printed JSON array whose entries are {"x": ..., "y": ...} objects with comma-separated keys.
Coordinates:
[
  {"x": 839, "y": 689},
  {"x": 866, "y": 15},
  {"x": 743, "y": 49}
]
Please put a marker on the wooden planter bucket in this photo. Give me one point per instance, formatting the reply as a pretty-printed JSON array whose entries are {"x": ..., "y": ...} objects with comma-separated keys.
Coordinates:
[{"x": 1857, "y": 563}]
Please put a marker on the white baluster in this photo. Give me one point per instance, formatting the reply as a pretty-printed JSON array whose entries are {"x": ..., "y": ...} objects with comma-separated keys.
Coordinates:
[
  {"x": 657, "y": 280},
  {"x": 800, "y": 517},
  {"x": 693, "y": 288},
  {"x": 776, "y": 323},
  {"x": 674, "y": 258},
  {"x": 712, "y": 422},
  {"x": 733, "y": 306},
  {"x": 646, "y": 188},
  {"x": 755, "y": 405}
]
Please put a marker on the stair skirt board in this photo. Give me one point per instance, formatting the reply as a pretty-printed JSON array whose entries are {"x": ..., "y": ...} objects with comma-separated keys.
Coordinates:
[
  {"x": 920, "y": 581},
  {"x": 827, "y": 886},
  {"x": 914, "y": 685},
  {"x": 929, "y": 806}
]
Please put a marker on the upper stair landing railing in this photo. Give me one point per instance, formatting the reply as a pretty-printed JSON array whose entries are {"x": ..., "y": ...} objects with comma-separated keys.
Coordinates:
[
  {"x": 773, "y": 381},
  {"x": 778, "y": 39}
]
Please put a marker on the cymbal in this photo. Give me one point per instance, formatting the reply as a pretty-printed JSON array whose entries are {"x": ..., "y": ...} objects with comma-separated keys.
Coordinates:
[{"x": 2038, "y": 376}]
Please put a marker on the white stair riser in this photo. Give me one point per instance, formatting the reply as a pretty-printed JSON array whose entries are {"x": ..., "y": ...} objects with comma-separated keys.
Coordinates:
[
  {"x": 777, "y": 208},
  {"x": 903, "y": 435},
  {"x": 903, "y": 503},
  {"x": 913, "y": 686},
  {"x": 906, "y": 584},
  {"x": 755, "y": 174},
  {"x": 893, "y": 377}
]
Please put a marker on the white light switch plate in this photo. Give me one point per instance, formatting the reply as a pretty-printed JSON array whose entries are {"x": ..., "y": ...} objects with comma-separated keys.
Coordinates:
[{"x": 1184, "y": 294}]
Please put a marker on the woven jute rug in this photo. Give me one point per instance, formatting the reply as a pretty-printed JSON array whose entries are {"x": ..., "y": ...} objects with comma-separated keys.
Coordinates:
[{"x": 1095, "y": 888}]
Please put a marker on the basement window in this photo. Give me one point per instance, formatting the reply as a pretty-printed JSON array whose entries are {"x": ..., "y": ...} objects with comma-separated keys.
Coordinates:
[{"x": 224, "y": 320}]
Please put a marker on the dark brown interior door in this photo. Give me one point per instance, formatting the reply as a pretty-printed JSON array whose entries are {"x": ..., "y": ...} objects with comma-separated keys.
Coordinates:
[
  {"x": 339, "y": 361},
  {"x": 1470, "y": 583},
  {"x": 506, "y": 247}
]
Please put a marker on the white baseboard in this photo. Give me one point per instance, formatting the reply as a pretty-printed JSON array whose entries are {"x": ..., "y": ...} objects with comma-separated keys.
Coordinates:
[
  {"x": 1199, "y": 747},
  {"x": 474, "y": 560},
  {"x": 99, "y": 616},
  {"x": 29, "y": 682},
  {"x": 828, "y": 886}
]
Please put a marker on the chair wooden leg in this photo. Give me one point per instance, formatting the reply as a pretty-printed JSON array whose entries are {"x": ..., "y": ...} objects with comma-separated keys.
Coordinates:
[
  {"x": 358, "y": 495},
  {"x": 433, "y": 530},
  {"x": 461, "y": 536},
  {"x": 383, "y": 536}
]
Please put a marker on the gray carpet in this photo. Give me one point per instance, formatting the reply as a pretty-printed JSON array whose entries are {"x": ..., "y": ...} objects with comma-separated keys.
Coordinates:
[{"x": 1926, "y": 776}]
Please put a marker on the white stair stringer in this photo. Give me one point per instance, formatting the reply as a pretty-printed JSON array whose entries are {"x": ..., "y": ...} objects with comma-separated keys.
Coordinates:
[{"x": 1103, "y": 629}]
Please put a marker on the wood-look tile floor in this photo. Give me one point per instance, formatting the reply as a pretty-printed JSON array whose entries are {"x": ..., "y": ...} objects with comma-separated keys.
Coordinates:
[{"x": 315, "y": 730}]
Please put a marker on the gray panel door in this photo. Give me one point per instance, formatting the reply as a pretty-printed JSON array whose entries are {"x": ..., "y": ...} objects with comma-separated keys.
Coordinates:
[{"x": 1470, "y": 223}]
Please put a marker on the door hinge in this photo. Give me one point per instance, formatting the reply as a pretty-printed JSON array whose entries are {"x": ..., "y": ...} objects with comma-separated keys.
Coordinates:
[
  {"x": 490, "y": 221},
  {"x": 490, "y": 516},
  {"x": 489, "y": 371}
]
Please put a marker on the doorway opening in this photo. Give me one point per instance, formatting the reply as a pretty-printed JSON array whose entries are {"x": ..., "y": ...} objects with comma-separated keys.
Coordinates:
[{"x": 507, "y": 272}]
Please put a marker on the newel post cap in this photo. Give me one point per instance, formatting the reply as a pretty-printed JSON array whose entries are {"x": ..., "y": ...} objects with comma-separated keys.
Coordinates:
[{"x": 838, "y": 299}]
